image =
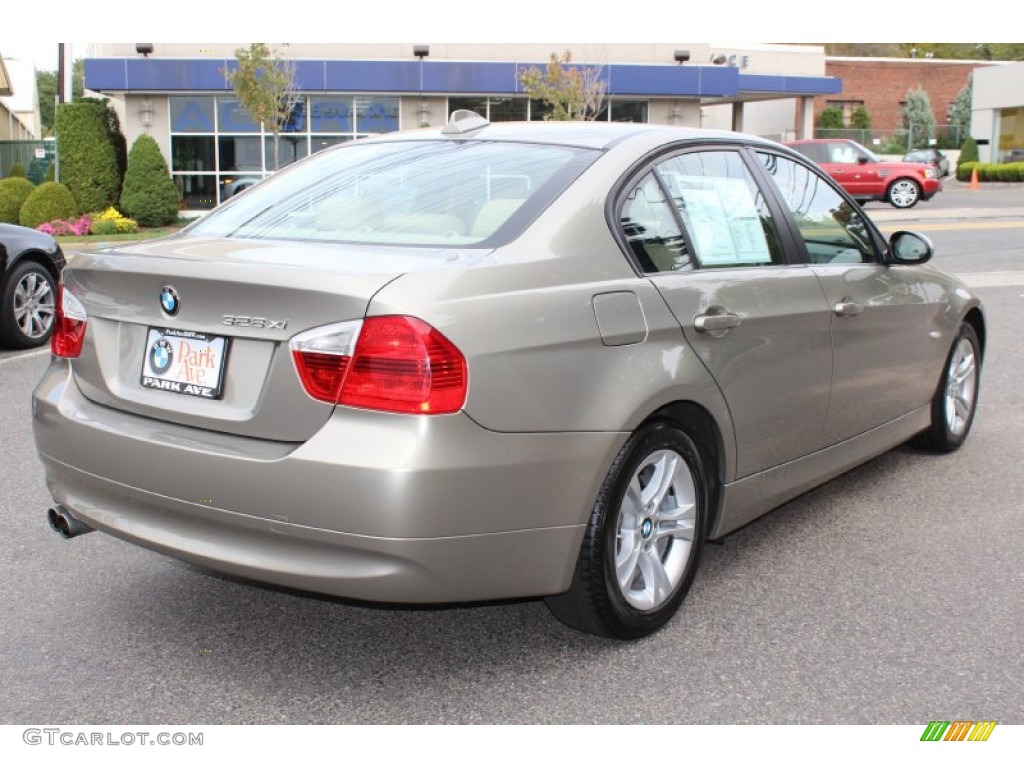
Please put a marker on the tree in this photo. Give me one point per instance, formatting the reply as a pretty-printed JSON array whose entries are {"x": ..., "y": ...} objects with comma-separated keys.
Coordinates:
[
  {"x": 570, "y": 92},
  {"x": 90, "y": 146},
  {"x": 960, "y": 115},
  {"x": 149, "y": 196},
  {"x": 46, "y": 87},
  {"x": 265, "y": 86},
  {"x": 860, "y": 119},
  {"x": 830, "y": 123},
  {"x": 918, "y": 118}
]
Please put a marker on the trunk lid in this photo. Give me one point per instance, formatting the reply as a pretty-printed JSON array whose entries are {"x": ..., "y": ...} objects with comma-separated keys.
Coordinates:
[{"x": 221, "y": 361}]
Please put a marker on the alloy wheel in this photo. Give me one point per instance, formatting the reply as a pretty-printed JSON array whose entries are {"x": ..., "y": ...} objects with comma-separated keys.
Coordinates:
[
  {"x": 34, "y": 305},
  {"x": 656, "y": 525}
]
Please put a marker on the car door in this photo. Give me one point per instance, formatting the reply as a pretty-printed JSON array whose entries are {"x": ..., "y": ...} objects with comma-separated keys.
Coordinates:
[
  {"x": 879, "y": 312},
  {"x": 700, "y": 229},
  {"x": 845, "y": 164}
]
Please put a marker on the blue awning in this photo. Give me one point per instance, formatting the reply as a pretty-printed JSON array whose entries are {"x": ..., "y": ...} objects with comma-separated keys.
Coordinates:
[{"x": 155, "y": 75}]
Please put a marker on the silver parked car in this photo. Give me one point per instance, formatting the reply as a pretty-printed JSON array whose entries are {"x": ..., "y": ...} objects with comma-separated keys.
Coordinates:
[{"x": 496, "y": 361}]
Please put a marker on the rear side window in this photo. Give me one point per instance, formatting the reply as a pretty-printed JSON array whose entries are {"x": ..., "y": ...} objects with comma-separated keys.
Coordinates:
[
  {"x": 403, "y": 193},
  {"x": 652, "y": 229},
  {"x": 699, "y": 209},
  {"x": 722, "y": 209}
]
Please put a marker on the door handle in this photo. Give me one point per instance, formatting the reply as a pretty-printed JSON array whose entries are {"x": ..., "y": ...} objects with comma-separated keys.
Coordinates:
[
  {"x": 847, "y": 307},
  {"x": 711, "y": 323}
]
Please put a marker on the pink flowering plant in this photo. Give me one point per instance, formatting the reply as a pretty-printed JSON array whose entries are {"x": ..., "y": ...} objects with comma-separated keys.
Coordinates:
[{"x": 79, "y": 227}]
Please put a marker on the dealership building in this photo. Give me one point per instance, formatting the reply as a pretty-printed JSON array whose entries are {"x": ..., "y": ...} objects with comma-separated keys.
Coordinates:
[
  {"x": 180, "y": 95},
  {"x": 997, "y": 113}
]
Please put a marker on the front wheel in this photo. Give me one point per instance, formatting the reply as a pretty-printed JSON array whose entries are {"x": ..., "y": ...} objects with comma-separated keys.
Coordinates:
[
  {"x": 956, "y": 397},
  {"x": 904, "y": 193},
  {"x": 643, "y": 541}
]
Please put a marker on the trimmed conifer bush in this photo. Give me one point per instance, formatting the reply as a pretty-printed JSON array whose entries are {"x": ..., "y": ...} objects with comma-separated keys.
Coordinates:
[
  {"x": 17, "y": 171},
  {"x": 49, "y": 201},
  {"x": 968, "y": 154},
  {"x": 88, "y": 152},
  {"x": 13, "y": 193},
  {"x": 149, "y": 196}
]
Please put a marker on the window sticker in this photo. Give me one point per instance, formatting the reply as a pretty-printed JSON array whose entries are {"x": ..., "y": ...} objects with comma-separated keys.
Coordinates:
[{"x": 723, "y": 218}]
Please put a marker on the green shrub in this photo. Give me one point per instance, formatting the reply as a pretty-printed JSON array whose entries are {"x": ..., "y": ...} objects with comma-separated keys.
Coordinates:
[
  {"x": 13, "y": 193},
  {"x": 988, "y": 172},
  {"x": 860, "y": 119},
  {"x": 37, "y": 170},
  {"x": 963, "y": 170},
  {"x": 17, "y": 171},
  {"x": 968, "y": 153},
  {"x": 48, "y": 201},
  {"x": 149, "y": 196},
  {"x": 51, "y": 173},
  {"x": 88, "y": 153}
]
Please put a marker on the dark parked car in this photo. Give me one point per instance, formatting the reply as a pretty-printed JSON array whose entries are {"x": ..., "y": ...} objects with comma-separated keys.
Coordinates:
[
  {"x": 932, "y": 157},
  {"x": 30, "y": 266},
  {"x": 498, "y": 361}
]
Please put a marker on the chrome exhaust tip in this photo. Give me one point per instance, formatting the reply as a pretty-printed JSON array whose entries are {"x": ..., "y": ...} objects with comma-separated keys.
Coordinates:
[{"x": 66, "y": 524}]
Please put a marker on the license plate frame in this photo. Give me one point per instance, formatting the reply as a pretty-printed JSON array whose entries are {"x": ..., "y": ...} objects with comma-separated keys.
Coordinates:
[{"x": 184, "y": 362}]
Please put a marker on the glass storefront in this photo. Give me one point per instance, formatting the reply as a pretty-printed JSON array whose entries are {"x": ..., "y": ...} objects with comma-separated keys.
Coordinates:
[
  {"x": 503, "y": 108},
  {"x": 217, "y": 149},
  {"x": 1011, "y": 135}
]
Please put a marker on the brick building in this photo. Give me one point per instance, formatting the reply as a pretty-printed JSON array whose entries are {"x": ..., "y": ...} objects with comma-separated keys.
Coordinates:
[{"x": 881, "y": 85}]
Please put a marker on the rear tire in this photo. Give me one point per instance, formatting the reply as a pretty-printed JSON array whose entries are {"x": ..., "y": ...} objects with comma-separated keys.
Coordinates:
[
  {"x": 956, "y": 397},
  {"x": 643, "y": 541}
]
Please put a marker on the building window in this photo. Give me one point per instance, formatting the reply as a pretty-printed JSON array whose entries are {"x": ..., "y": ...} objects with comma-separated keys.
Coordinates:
[
  {"x": 1011, "y": 135},
  {"x": 218, "y": 150},
  {"x": 503, "y": 108}
]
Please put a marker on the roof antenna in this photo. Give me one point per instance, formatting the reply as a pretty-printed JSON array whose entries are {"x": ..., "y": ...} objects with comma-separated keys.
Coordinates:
[{"x": 464, "y": 121}]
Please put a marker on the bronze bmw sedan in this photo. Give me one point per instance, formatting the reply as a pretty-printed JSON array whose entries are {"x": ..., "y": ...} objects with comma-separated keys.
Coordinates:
[{"x": 497, "y": 361}]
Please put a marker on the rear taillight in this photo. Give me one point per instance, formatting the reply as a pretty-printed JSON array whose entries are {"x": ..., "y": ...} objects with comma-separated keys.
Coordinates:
[
  {"x": 68, "y": 325},
  {"x": 390, "y": 363}
]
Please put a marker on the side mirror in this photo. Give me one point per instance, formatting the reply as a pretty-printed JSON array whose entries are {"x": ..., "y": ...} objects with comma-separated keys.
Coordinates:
[
  {"x": 910, "y": 248},
  {"x": 862, "y": 159}
]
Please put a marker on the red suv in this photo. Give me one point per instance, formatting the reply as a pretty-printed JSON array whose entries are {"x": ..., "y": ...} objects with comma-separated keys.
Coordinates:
[{"x": 866, "y": 177}]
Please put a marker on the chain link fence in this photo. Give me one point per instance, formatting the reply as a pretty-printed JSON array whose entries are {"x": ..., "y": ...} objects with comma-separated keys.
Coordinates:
[
  {"x": 898, "y": 142},
  {"x": 34, "y": 156}
]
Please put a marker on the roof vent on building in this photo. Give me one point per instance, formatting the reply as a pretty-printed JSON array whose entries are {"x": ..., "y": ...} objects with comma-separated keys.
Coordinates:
[{"x": 464, "y": 121}]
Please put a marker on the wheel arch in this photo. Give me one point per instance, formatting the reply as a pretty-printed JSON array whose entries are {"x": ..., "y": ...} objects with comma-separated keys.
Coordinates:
[
  {"x": 702, "y": 427},
  {"x": 35, "y": 257},
  {"x": 977, "y": 321}
]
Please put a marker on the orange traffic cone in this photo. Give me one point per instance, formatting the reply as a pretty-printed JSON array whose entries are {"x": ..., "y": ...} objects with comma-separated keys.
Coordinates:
[{"x": 974, "y": 179}]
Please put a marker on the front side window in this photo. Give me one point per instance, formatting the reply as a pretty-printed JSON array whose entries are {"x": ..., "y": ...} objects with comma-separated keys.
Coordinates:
[
  {"x": 405, "y": 192},
  {"x": 832, "y": 229}
]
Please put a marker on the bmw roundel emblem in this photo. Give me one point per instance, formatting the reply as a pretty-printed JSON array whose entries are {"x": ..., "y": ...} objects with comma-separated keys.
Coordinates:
[
  {"x": 161, "y": 355},
  {"x": 169, "y": 301}
]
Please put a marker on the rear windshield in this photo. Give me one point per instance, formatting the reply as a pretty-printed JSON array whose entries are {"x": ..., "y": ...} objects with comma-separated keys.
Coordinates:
[{"x": 403, "y": 193}]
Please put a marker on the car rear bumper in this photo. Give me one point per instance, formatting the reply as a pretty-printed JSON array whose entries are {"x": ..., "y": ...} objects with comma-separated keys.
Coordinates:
[{"x": 375, "y": 506}]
